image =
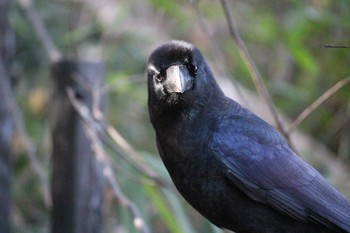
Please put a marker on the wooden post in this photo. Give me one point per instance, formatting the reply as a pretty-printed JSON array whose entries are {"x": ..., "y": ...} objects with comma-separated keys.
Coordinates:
[
  {"x": 6, "y": 133},
  {"x": 77, "y": 183},
  {"x": 6, "y": 119}
]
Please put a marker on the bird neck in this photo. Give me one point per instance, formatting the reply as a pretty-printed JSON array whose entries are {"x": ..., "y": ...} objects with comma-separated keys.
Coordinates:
[
  {"x": 172, "y": 115},
  {"x": 184, "y": 112}
]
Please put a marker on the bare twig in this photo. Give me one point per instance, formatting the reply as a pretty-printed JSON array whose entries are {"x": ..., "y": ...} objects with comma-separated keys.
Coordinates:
[
  {"x": 252, "y": 69},
  {"x": 153, "y": 177},
  {"x": 119, "y": 143},
  {"x": 27, "y": 142},
  {"x": 120, "y": 169},
  {"x": 317, "y": 103},
  {"x": 129, "y": 150},
  {"x": 92, "y": 133},
  {"x": 215, "y": 51},
  {"x": 337, "y": 46},
  {"x": 131, "y": 155},
  {"x": 39, "y": 27}
]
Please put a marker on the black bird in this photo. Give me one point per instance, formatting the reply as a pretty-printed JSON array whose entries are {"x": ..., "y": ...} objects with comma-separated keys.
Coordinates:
[{"x": 230, "y": 165}]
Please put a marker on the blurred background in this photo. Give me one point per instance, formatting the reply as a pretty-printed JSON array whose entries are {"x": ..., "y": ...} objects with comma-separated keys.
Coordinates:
[{"x": 287, "y": 40}]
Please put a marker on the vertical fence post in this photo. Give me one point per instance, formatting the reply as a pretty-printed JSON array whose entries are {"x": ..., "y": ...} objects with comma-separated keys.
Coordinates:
[
  {"x": 6, "y": 133},
  {"x": 6, "y": 120},
  {"x": 77, "y": 184}
]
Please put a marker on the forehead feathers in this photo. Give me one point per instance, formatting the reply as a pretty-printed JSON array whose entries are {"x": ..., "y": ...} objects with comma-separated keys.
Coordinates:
[{"x": 174, "y": 52}]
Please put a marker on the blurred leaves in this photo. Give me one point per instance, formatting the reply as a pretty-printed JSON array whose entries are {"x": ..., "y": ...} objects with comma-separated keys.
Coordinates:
[
  {"x": 172, "y": 8},
  {"x": 164, "y": 212},
  {"x": 298, "y": 28},
  {"x": 37, "y": 101},
  {"x": 285, "y": 39}
]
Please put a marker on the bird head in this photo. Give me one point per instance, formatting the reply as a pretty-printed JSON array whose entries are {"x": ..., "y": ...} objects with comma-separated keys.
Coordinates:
[{"x": 178, "y": 78}]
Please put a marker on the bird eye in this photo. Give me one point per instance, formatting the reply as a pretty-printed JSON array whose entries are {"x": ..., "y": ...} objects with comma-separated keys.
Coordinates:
[
  {"x": 159, "y": 78},
  {"x": 195, "y": 69},
  {"x": 192, "y": 68}
]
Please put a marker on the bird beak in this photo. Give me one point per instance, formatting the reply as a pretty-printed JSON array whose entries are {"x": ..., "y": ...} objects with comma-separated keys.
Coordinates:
[{"x": 178, "y": 79}]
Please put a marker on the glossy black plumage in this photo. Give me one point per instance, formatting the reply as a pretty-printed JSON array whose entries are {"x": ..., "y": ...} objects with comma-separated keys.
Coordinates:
[{"x": 229, "y": 164}]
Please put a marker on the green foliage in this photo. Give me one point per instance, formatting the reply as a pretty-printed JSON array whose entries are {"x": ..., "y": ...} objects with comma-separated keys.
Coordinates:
[
  {"x": 164, "y": 212},
  {"x": 172, "y": 8}
]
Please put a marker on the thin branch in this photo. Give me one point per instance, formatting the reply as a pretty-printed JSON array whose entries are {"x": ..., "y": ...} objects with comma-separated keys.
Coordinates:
[
  {"x": 129, "y": 153},
  {"x": 252, "y": 68},
  {"x": 40, "y": 29},
  {"x": 27, "y": 142},
  {"x": 317, "y": 103},
  {"x": 129, "y": 150},
  {"x": 122, "y": 170},
  {"x": 337, "y": 46},
  {"x": 120, "y": 144},
  {"x": 215, "y": 51},
  {"x": 152, "y": 176},
  {"x": 92, "y": 133}
]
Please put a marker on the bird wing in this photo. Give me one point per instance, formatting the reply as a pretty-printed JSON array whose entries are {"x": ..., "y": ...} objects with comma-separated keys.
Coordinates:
[{"x": 261, "y": 164}]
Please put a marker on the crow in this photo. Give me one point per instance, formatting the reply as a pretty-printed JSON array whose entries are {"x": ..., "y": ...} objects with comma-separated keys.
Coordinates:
[{"x": 229, "y": 164}]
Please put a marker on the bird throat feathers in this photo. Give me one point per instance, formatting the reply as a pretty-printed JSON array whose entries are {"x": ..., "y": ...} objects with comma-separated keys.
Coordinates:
[{"x": 175, "y": 109}]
